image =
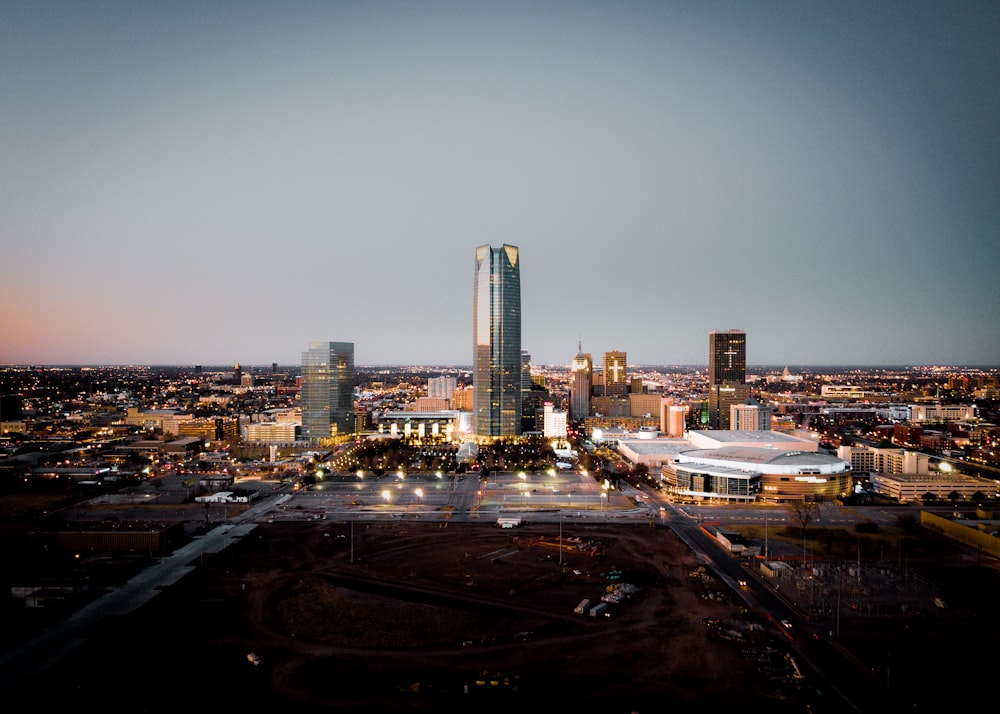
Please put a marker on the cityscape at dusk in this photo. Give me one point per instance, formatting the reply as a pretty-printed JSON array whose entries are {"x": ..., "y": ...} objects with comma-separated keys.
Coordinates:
[
  {"x": 450, "y": 357},
  {"x": 206, "y": 183}
]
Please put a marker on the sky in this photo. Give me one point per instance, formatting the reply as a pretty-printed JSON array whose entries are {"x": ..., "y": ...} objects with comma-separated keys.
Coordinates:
[{"x": 222, "y": 182}]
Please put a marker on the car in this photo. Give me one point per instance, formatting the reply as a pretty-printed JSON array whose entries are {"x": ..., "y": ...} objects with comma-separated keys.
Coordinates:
[
  {"x": 742, "y": 583},
  {"x": 786, "y": 624}
]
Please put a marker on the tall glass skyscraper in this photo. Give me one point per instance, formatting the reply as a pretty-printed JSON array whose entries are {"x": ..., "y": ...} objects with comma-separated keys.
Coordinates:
[
  {"x": 496, "y": 327},
  {"x": 327, "y": 393}
]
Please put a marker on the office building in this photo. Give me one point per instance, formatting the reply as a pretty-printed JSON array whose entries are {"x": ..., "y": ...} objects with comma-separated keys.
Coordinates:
[
  {"x": 615, "y": 379},
  {"x": 581, "y": 385},
  {"x": 496, "y": 371},
  {"x": 327, "y": 393},
  {"x": 751, "y": 415},
  {"x": 441, "y": 387},
  {"x": 532, "y": 394},
  {"x": 727, "y": 374},
  {"x": 553, "y": 422}
]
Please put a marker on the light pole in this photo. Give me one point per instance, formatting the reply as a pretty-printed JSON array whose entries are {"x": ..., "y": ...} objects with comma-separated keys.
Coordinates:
[
  {"x": 419, "y": 494},
  {"x": 765, "y": 535}
]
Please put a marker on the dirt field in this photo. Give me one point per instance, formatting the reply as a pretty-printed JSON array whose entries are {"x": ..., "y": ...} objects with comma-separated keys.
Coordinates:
[{"x": 419, "y": 617}]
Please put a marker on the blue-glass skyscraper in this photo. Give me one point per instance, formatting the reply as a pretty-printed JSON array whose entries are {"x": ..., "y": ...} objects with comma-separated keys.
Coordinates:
[
  {"x": 496, "y": 369},
  {"x": 327, "y": 394}
]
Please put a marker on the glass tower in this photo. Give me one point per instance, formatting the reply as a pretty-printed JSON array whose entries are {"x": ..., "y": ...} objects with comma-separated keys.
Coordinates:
[
  {"x": 496, "y": 327},
  {"x": 327, "y": 394}
]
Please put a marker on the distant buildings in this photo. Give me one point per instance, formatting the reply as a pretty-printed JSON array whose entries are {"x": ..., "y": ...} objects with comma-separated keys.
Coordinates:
[
  {"x": 497, "y": 365},
  {"x": 727, "y": 375},
  {"x": 327, "y": 393}
]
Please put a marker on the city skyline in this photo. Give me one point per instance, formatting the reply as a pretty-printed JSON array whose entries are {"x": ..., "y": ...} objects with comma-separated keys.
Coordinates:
[{"x": 194, "y": 184}]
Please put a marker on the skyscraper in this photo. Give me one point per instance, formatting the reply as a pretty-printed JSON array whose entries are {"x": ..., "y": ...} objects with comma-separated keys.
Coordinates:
[
  {"x": 496, "y": 327},
  {"x": 727, "y": 375},
  {"x": 581, "y": 385},
  {"x": 327, "y": 394},
  {"x": 615, "y": 380}
]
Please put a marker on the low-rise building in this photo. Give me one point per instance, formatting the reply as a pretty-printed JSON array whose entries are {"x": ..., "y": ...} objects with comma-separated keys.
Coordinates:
[{"x": 914, "y": 487}]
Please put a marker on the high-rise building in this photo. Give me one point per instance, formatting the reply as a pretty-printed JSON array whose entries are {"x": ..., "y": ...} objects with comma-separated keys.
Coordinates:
[
  {"x": 531, "y": 397},
  {"x": 727, "y": 375},
  {"x": 496, "y": 318},
  {"x": 441, "y": 387},
  {"x": 327, "y": 393},
  {"x": 581, "y": 385},
  {"x": 615, "y": 378}
]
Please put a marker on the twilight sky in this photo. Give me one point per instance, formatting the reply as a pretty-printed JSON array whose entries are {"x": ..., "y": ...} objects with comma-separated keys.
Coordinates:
[{"x": 219, "y": 182}]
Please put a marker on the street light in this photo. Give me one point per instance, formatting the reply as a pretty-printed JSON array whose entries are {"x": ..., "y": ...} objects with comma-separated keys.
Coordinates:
[{"x": 604, "y": 498}]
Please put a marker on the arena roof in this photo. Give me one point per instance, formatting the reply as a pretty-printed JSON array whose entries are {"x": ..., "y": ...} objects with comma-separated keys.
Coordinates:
[
  {"x": 713, "y": 439},
  {"x": 766, "y": 460}
]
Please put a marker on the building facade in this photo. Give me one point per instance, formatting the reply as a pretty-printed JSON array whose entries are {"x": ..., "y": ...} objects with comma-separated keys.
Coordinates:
[
  {"x": 581, "y": 385},
  {"x": 615, "y": 373},
  {"x": 441, "y": 387},
  {"x": 751, "y": 415},
  {"x": 496, "y": 371},
  {"x": 327, "y": 392},
  {"x": 553, "y": 422},
  {"x": 727, "y": 375}
]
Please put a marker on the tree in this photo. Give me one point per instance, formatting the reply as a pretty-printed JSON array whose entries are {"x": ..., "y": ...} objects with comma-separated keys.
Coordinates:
[
  {"x": 804, "y": 513},
  {"x": 954, "y": 496}
]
